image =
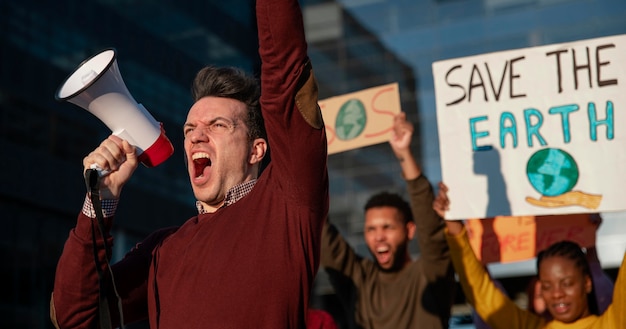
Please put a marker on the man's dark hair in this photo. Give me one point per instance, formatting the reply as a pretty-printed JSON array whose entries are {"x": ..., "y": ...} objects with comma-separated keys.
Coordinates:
[
  {"x": 231, "y": 82},
  {"x": 387, "y": 199}
]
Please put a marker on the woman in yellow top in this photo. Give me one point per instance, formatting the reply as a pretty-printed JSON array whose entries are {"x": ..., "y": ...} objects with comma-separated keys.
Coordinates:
[{"x": 565, "y": 280}]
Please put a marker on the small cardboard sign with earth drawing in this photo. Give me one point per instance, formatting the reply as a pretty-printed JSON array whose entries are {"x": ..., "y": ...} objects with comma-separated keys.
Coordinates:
[
  {"x": 534, "y": 131},
  {"x": 361, "y": 118}
]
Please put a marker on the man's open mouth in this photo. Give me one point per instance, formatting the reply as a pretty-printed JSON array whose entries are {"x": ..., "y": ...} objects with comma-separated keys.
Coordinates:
[
  {"x": 200, "y": 160},
  {"x": 383, "y": 254}
]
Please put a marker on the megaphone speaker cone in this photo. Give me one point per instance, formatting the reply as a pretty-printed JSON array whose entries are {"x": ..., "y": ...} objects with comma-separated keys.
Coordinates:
[
  {"x": 97, "y": 86},
  {"x": 86, "y": 74}
]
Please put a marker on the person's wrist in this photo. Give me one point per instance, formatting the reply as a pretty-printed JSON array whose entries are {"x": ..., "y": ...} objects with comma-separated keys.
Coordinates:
[
  {"x": 454, "y": 227},
  {"x": 402, "y": 154},
  {"x": 110, "y": 194}
]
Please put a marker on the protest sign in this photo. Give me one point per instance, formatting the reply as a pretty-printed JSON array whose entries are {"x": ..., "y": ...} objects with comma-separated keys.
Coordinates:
[
  {"x": 534, "y": 131},
  {"x": 506, "y": 239},
  {"x": 361, "y": 118}
]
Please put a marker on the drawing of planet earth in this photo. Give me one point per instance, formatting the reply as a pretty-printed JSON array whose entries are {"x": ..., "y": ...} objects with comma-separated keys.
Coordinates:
[
  {"x": 552, "y": 171},
  {"x": 351, "y": 120}
]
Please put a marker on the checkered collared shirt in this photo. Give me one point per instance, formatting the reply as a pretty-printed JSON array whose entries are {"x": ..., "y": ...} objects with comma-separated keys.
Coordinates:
[
  {"x": 110, "y": 206},
  {"x": 234, "y": 194}
]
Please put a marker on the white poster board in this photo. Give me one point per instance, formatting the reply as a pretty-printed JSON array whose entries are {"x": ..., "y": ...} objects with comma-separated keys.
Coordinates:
[{"x": 534, "y": 131}]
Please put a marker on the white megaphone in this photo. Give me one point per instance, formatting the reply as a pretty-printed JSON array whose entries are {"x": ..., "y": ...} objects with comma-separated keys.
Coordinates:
[{"x": 97, "y": 86}]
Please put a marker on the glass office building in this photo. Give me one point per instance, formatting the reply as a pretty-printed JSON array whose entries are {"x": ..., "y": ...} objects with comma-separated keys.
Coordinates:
[{"x": 354, "y": 44}]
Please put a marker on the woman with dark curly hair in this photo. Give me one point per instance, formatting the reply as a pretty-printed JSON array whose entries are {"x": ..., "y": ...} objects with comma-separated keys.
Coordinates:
[{"x": 565, "y": 280}]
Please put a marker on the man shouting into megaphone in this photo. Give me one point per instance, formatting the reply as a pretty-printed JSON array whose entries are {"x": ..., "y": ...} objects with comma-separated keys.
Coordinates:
[{"x": 248, "y": 259}]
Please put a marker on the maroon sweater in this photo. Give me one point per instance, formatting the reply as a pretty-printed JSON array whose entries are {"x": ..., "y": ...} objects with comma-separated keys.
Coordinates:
[{"x": 248, "y": 265}]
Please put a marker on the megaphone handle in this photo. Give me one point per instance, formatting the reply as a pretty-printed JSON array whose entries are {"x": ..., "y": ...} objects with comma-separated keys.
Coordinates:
[{"x": 101, "y": 172}]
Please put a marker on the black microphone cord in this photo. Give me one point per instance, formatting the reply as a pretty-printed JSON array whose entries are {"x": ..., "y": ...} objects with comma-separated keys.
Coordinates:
[{"x": 92, "y": 180}]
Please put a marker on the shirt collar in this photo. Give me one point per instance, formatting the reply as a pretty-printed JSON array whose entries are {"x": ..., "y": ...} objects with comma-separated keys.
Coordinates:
[{"x": 233, "y": 195}]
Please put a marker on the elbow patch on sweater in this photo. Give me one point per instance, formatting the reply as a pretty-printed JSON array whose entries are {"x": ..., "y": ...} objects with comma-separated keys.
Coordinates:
[
  {"x": 307, "y": 97},
  {"x": 53, "y": 313}
]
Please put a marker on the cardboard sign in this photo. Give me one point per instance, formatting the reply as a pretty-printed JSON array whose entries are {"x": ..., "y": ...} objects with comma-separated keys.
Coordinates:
[
  {"x": 508, "y": 239},
  {"x": 534, "y": 131},
  {"x": 361, "y": 118}
]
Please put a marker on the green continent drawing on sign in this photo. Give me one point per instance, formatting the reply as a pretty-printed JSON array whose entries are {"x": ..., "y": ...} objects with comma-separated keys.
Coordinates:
[
  {"x": 552, "y": 172},
  {"x": 351, "y": 120}
]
